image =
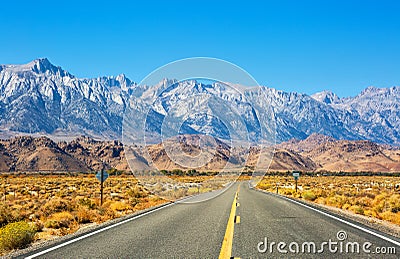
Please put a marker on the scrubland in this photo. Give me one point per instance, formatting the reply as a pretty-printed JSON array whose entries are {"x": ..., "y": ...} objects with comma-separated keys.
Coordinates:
[
  {"x": 36, "y": 207},
  {"x": 372, "y": 196}
]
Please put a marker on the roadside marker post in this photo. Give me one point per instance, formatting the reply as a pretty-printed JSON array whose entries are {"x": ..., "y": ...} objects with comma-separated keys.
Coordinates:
[{"x": 102, "y": 177}]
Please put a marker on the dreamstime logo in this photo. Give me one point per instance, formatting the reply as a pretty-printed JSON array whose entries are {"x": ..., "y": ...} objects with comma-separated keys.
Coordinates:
[
  {"x": 198, "y": 115},
  {"x": 341, "y": 235},
  {"x": 338, "y": 246}
]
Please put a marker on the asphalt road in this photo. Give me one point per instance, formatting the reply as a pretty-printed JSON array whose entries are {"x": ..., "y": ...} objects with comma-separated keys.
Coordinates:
[{"x": 197, "y": 230}]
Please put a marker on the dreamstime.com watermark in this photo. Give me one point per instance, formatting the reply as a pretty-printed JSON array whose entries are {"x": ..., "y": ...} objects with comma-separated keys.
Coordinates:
[{"x": 340, "y": 245}]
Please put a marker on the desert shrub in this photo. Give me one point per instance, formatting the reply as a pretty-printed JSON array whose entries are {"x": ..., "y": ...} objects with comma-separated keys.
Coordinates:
[
  {"x": 179, "y": 193},
  {"x": 5, "y": 215},
  {"x": 371, "y": 213},
  {"x": 379, "y": 202},
  {"x": 346, "y": 206},
  {"x": 38, "y": 225},
  {"x": 390, "y": 216},
  {"x": 356, "y": 209},
  {"x": 296, "y": 194},
  {"x": 364, "y": 202},
  {"x": 56, "y": 205},
  {"x": 366, "y": 194},
  {"x": 309, "y": 195},
  {"x": 18, "y": 213},
  {"x": 16, "y": 235},
  {"x": 85, "y": 215},
  {"x": 136, "y": 192},
  {"x": 88, "y": 203},
  {"x": 119, "y": 206},
  {"x": 62, "y": 193},
  {"x": 349, "y": 194},
  {"x": 320, "y": 200},
  {"x": 337, "y": 201},
  {"x": 381, "y": 205},
  {"x": 134, "y": 201},
  {"x": 265, "y": 186},
  {"x": 106, "y": 213},
  {"x": 60, "y": 220},
  {"x": 320, "y": 193},
  {"x": 286, "y": 191},
  {"x": 394, "y": 203}
]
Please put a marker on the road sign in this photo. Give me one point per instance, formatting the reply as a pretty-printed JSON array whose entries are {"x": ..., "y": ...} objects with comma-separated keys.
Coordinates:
[
  {"x": 105, "y": 176},
  {"x": 296, "y": 176},
  {"x": 102, "y": 177}
]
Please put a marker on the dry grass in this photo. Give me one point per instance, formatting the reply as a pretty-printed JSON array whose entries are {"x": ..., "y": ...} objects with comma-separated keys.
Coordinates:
[
  {"x": 58, "y": 205},
  {"x": 373, "y": 196}
]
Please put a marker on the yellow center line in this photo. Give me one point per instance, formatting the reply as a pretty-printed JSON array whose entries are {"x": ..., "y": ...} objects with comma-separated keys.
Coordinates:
[
  {"x": 226, "y": 249},
  {"x": 237, "y": 219}
]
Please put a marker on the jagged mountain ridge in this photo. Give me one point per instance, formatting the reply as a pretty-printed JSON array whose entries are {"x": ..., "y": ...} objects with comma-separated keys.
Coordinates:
[{"x": 39, "y": 97}]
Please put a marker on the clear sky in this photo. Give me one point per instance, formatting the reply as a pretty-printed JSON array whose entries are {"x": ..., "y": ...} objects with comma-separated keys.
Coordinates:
[{"x": 303, "y": 46}]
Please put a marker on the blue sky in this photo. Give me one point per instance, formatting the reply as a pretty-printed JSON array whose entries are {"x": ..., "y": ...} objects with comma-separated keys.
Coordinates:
[{"x": 303, "y": 46}]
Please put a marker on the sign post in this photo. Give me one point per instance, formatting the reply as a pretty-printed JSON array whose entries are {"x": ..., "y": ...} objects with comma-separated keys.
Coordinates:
[
  {"x": 102, "y": 177},
  {"x": 296, "y": 176}
]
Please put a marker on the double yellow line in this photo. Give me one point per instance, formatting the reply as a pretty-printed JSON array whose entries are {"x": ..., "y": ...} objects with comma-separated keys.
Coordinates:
[{"x": 226, "y": 249}]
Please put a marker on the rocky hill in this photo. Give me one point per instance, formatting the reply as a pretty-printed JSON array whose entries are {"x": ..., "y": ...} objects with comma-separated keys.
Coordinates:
[
  {"x": 37, "y": 154},
  {"x": 343, "y": 155},
  {"x": 84, "y": 154}
]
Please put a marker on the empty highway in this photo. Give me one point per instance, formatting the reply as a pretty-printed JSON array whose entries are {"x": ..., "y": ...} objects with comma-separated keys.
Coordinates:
[{"x": 241, "y": 222}]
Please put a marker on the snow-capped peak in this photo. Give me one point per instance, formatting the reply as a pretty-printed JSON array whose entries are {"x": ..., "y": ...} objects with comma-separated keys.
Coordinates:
[
  {"x": 327, "y": 97},
  {"x": 39, "y": 66}
]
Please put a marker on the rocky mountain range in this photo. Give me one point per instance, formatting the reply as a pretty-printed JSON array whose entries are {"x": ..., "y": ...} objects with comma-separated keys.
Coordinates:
[
  {"x": 41, "y": 98},
  {"x": 84, "y": 154}
]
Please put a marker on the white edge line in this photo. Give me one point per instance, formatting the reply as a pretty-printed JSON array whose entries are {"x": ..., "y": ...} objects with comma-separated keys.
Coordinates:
[
  {"x": 339, "y": 219},
  {"x": 96, "y": 232}
]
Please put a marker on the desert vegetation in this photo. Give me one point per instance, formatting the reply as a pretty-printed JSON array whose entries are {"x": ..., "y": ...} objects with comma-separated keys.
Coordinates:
[
  {"x": 44, "y": 206},
  {"x": 372, "y": 196}
]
